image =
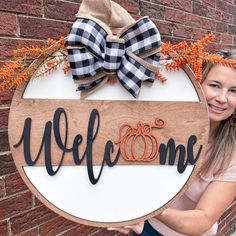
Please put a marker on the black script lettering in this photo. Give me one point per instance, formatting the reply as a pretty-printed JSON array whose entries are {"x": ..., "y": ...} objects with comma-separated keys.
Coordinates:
[
  {"x": 25, "y": 138},
  {"x": 108, "y": 148},
  {"x": 46, "y": 142},
  {"x": 180, "y": 149},
  {"x": 77, "y": 141},
  {"x": 92, "y": 133},
  {"x": 191, "y": 142}
]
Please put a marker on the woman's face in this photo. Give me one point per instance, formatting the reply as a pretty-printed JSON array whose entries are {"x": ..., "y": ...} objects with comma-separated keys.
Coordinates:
[{"x": 219, "y": 88}]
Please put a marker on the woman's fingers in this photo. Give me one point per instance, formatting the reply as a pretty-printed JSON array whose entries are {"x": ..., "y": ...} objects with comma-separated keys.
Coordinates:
[
  {"x": 137, "y": 228},
  {"x": 122, "y": 230}
]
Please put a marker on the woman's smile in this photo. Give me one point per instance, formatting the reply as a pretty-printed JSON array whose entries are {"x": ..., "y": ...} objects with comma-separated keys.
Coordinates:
[{"x": 216, "y": 109}]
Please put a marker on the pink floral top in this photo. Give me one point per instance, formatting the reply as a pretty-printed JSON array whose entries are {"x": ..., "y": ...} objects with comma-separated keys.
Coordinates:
[{"x": 190, "y": 198}]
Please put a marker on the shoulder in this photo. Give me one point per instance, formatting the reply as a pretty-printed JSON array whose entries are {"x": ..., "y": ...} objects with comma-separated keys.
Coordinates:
[{"x": 228, "y": 174}]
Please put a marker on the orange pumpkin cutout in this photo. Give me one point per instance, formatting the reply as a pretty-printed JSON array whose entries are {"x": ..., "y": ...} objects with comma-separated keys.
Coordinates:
[{"x": 142, "y": 135}]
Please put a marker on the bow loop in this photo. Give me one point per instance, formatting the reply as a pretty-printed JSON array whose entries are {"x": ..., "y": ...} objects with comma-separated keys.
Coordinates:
[
  {"x": 87, "y": 33},
  {"x": 142, "y": 36},
  {"x": 93, "y": 50}
]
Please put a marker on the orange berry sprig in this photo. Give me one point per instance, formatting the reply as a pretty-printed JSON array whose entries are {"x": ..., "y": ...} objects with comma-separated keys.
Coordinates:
[
  {"x": 9, "y": 69},
  {"x": 28, "y": 52},
  {"x": 192, "y": 54},
  {"x": 183, "y": 54},
  {"x": 160, "y": 77},
  {"x": 29, "y": 59}
]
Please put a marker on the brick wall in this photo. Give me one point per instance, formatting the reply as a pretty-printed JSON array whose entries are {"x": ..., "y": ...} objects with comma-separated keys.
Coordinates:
[{"x": 29, "y": 22}]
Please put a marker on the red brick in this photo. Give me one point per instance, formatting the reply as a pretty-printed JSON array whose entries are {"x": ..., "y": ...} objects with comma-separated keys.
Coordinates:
[
  {"x": 131, "y": 6},
  {"x": 222, "y": 5},
  {"x": 178, "y": 4},
  {"x": 165, "y": 2},
  {"x": 15, "y": 205},
  {"x": 172, "y": 40},
  {"x": 228, "y": 233},
  {"x": 232, "y": 29},
  {"x": 226, "y": 39},
  {"x": 199, "y": 9},
  {"x": 81, "y": 230},
  {"x": 175, "y": 15},
  {"x": 213, "y": 47},
  {"x": 206, "y": 24},
  {"x": 194, "y": 21},
  {"x": 56, "y": 226},
  {"x": 8, "y": 45},
  {"x": 215, "y": 14},
  {"x": 31, "y": 232},
  {"x": 2, "y": 188},
  {"x": 231, "y": 215},
  {"x": 152, "y": 10},
  {"x": 223, "y": 232},
  {"x": 60, "y": 10},
  {"x": 210, "y": 2},
  {"x": 3, "y": 228},
  {"x": 185, "y": 5},
  {"x": 7, "y": 164},
  {"x": 31, "y": 219},
  {"x": 227, "y": 18},
  {"x": 234, "y": 20},
  {"x": 197, "y": 21},
  {"x": 36, "y": 201},
  {"x": 4, "y": 146},
  {"x": 164, "y": 28},
  {"x": 217, "y": 37},
  {"x": 233, "y": 226},
  {"x": 7, "y": 24},
  {"x": 221, "y": 225},
  {"x": 105, "y": 232},
  {"x": 202, "y": 10},
  {"x": 222, "y": 27},
  {"x": 198, "y": 33},
  {"x": 232, "y": 10},
  {"x": 42, "y": 28},
  {"x": 228, "y": 210},
  {"x": 6, "y": 97},
  {"x": 182, "y": 31},
  {"x": 227, "y": 221},
  {"x": 4, "y": 114},
  {"x": 14, "y": 183},
  {"x": 31, "y": 7}
]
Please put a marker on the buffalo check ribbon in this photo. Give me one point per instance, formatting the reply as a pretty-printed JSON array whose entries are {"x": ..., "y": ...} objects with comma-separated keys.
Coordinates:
[{"x": 94, "y": 53}]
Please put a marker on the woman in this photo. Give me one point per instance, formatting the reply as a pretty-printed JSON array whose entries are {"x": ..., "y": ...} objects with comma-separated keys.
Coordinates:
[{"x": 198, "y": 210}]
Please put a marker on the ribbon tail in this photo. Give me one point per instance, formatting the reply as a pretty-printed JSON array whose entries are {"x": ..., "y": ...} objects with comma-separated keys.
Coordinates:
[
  {"x": 144, "y": 63},
  {"x": 131, "y": 73},
  {"x": 86, "y": 93}
]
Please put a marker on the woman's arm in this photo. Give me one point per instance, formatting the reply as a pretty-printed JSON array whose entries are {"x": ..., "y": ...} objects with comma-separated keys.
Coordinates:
[{"x": 210, "y": 207}]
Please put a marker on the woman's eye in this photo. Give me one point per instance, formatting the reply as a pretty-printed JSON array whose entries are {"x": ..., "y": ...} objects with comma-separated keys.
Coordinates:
[
  {"x": 233, "y": 91},
  {"x": 214, "y": 85}
]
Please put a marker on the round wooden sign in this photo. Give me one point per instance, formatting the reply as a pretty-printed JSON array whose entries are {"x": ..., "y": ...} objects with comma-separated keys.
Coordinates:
[{"x": 110, "y": 159}]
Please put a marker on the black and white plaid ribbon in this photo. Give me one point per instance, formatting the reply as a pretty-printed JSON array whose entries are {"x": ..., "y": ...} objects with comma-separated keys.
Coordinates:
[{"x": 92, "y": 50}]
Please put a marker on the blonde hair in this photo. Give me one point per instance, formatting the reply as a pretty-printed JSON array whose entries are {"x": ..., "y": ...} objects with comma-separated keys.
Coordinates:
[{"x": 223, "y": 148}]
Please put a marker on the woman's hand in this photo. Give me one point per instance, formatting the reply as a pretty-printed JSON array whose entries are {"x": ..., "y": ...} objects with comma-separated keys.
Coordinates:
[{"x": 137, "y": 228}]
